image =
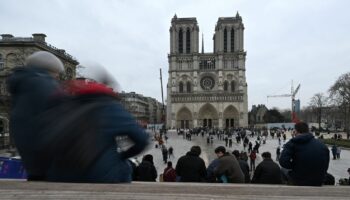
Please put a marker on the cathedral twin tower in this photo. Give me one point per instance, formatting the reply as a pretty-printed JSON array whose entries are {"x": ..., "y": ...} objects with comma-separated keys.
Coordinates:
[{"x": 207, "y": 89}]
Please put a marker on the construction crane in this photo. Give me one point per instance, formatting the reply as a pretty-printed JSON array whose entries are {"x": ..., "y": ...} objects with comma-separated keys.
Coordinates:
[{"x": 295, "y": 103}]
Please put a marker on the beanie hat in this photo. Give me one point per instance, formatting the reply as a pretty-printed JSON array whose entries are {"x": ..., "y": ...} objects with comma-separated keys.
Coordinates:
[
  {"x": 196, "y": 150},
  {"x": 96, "y": 72},
  {"x": 45, "y": 60},
  {"x": 220, "y": 149},
  {"x": 148, "y": 158}
]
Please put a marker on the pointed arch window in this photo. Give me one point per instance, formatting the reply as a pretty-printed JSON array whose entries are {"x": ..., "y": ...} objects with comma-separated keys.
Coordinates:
[
  {"x": 188, "y": 87},
  {"x": 225, "y": 40},
  {"x": 233, "y": 89},
  {"x": 181, "y": 44},
  {"x": 188, "y": 41},
  {"x": 225, "y": 86},
  {"x": 232, "y": 40},
  {"x": 181, "y": 87}
]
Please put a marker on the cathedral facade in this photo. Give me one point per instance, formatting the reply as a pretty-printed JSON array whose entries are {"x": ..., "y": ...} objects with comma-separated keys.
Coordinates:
[{"x": 207, "y": 89}]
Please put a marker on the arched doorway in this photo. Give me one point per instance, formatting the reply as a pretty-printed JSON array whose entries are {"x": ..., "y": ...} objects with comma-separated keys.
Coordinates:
[
  {"x": 184, "y": 118},
  {"x": 208, "y": 116},
  {"x": 231, "y": 117}
]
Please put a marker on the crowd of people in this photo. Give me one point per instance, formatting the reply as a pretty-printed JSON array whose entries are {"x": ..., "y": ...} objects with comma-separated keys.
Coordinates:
[{"x": 303, "y": 160}]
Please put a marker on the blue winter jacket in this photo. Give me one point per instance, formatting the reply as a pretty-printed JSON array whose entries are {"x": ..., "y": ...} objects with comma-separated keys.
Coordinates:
[
  {"x": 30, "y": 89},
  {"x": 110, "y": 121},
  {"x": 307, "y": 158}
]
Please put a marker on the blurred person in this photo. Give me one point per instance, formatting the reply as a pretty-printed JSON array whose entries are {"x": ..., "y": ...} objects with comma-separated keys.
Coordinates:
[
  {"x": 211, "y": 178},
  {"x": 190, "y": 167},
  {"x": 228, "y": 167},
  {"x": 81, "y": 134},
  {"x": 31, "y": 88},
  {"x": 267, "y": 172},
  {"x": 304, "y": 158}
]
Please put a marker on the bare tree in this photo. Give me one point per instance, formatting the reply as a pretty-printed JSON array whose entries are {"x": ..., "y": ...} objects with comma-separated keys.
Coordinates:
[
  {"x": 340, "y": 94},
  {"x": 318, "y": 103}
]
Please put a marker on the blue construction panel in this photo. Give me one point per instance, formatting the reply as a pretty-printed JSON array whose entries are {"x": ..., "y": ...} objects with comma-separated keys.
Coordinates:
[{"x": 11, "y": 168}]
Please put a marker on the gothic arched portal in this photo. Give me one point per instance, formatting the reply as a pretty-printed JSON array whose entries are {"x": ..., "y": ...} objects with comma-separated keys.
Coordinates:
[
  {"x": 231, "y": 117},
  {"x": 208, "y": 116},
  {"x": 184, "y": 118}
]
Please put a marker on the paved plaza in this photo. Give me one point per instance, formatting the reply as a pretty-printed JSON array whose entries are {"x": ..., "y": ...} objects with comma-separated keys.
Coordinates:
[{"x": 338, "y": 168}]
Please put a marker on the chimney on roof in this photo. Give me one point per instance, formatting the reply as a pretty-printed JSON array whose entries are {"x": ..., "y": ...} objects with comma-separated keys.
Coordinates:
[
  {"x": 6, "y": 36},
  {"x": 39, "y": 37}
]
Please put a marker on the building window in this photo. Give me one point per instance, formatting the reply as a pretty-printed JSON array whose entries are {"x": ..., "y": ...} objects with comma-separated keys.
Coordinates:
[
  {"x": 181, "y": 87},
  {"x": 181, "y": 44},
  {"x": 232, "y": 40},
  {"x": 233, "y": 86},
  {"x": 188, "y": 87},
  {"x": 188, "y": 41},
  {"x": 1, "y": 62},
  {"x": 225, "y": 86},
  {"x": 225, "y": 40}
]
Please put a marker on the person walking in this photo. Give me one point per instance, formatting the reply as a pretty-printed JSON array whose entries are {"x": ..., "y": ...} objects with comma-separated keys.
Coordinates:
[
  {"x": 338, "y": 152},
  {"x": 190, "y": 167},
  {"x": 267, "y": 172},
  {"x": 278, "y": 153},
  {"x": 334, "y": 151},
  {"x": 252, "y": 157},
  {"x": 165, "y": 154},
  {"x": 305, "y": 158}
]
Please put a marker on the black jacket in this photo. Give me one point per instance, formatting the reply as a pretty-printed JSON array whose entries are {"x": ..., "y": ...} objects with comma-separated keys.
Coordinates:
[
  {"x": 308, "y": 159},
  {"x": 146, "y": 172},
  {"x": 267, "y": 172},
  {"x": 245, "y": 169},
  {"x": 191, "y": 168}
]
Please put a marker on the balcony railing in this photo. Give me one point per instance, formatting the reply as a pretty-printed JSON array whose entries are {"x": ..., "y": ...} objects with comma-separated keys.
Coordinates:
[{"x": 210, "y": 97}]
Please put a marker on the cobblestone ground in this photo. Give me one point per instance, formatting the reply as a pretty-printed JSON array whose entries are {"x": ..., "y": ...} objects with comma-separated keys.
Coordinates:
[{"x": 338, "y": 168}]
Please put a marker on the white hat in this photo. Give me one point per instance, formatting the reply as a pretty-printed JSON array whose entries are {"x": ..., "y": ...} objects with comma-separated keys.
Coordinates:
[
  {"x": 45, "y": 60},
  {"x": 96, "y": 72}
]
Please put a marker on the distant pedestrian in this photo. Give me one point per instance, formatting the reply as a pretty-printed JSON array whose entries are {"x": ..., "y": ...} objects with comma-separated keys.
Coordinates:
[
  {"x": 252, "y": 157},
  {"x": 165, "y": 154},
  {"x": 334, "y": 151},
  {"x": 278, "y": 153},
  {"x": 250, "y": 147},
  {"x": 338, "y": 152},
  {"x": 171, "y": 152}
]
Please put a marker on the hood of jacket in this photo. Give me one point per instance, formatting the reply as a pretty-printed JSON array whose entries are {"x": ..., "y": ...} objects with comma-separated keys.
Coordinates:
[
  {"x": 302, "y": 138},
  {"x": 21, "y": 74}
]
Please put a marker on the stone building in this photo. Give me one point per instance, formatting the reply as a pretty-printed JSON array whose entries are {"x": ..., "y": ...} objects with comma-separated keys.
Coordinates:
[
  {"x": 257, "y": 114},
  {"x": 13, "y": 52},
  {"x": 146, "y": 110},
  {"x": 207, "y": 89}
]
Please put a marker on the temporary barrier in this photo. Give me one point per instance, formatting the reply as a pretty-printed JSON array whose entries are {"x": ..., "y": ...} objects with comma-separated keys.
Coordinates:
[{"x": 12, "y": 168}]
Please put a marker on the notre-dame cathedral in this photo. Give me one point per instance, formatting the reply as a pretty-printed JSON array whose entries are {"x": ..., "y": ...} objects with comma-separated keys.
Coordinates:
[{"x": 207, "y": 89}]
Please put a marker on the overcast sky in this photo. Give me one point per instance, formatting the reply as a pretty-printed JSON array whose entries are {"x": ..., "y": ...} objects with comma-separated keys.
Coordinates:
[{"x": 306, "y": 41}]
